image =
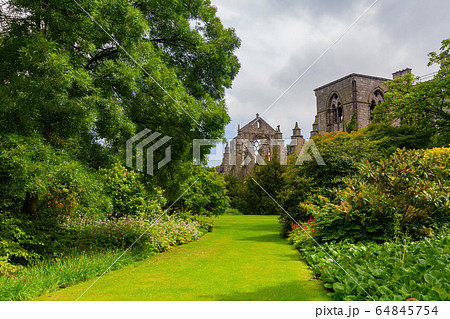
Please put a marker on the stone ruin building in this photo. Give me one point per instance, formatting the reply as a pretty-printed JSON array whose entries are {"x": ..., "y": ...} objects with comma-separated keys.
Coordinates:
[
  {"x": 336, "y": 102},
  {"x": 255, "y": 143},
  {"x": 339, "y": 100}
]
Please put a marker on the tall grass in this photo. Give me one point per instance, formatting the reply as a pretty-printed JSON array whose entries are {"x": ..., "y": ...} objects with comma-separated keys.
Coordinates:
[{"x": 50, "y": 275}]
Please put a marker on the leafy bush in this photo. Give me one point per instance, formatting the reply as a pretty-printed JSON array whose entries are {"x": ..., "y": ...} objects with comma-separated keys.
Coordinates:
[
  {"x": 112, "y": 233},
  {"x": 389, "y": 271},
  {"x": 302, "y": 237},
  {"x": 206, "y": 193},
  {"x": 39, "y": 181},
  {"x": 386, "y": 138},
  {"x": 342, "y": 154},
  {"x": 266, "y": 178},
  {"x": 41, "y": 186},
  {"x": 441, "y": 157},
  {"x": 236, "y": 192},
  {"x": 412, "y": 184},
  {"x": 232, "y": 211},
  {"x": 128, "y": 195},
  {"x": 407, "y": 190},
  {"x": 13, "y": 245},
  {"x": 204, "y": 222}
]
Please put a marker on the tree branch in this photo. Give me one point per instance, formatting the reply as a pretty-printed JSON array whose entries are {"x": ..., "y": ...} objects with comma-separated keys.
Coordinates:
[{"x": 103, "y": 54}]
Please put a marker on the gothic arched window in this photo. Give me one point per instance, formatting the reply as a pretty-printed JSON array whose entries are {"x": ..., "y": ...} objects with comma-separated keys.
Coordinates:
[
  {"x": 374, "y": 99},
  {"x": 335, "y": 110}
]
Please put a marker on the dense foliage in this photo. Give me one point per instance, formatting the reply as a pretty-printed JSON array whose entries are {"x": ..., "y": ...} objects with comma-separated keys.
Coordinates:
[
  {"x": 206, "y": 193},
  {"x": 390, "y": 271},
  {"x": 407, "y": 191},
  {"x": 342, "y": 153},
  {"x": 266, "y": 179},
  {"x": 380, "y": 229},
  {"x": 157, "y": 236},
  {"x": 77, "y": 80},
  {"x": 423, "y": 106},
  {"x": 250, "y": 197}
]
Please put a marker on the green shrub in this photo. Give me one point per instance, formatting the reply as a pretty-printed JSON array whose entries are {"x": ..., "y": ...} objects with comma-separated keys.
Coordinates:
[
  {"x": 302, "y": 237},
  {"x": 342, "y": 154},
  {"x": 386, "y": 138},
  {"x": 266, "y": 178},
  {"x": 39, "y": 187},
  {"x": 409, "y": 190},
  {"x": 128, "y": 195},
  {"x": 204, "y": 222},
  {"x": 389, "y": 271},
  {"x": 206, "y": 193},
  {"x": 236, "y": 192},
  {"x": 441, "y": 157},
  {"x": 14, "y": 252},
  {"x": 39, "y": 181},
  {"x": 112, "y": 233}
]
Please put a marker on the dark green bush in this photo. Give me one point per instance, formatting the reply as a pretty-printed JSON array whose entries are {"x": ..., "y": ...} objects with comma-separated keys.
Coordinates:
[
  {"x": 204, "y": 222},
  {"x": 232, "y": 211},
  {"x": 113, "y": 233},
  {"x": 236, "y": 192},
  {"x": 206, "y": 193},
  {"x": 266, "y": 180}
]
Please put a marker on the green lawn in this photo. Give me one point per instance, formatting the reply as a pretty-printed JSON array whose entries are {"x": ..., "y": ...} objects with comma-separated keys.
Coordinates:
[{"x": 242, "y": 259}]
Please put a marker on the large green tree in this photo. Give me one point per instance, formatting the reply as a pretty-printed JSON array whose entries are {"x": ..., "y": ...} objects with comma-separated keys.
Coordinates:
[
  {"x": 423, "y": 105},
  {"x": 87, "y": 75}
]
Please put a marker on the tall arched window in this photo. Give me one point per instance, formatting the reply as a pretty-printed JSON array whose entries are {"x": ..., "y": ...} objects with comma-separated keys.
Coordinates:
[
  {"x": 374, "y": 99},
  {"x": 335, "y": 111}
]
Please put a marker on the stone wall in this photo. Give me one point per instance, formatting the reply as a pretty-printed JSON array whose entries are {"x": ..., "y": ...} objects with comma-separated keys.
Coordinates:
[{"x": 354, "y": 94}]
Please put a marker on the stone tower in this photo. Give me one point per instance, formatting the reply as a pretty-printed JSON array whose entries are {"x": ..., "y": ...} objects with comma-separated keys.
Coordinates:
[
  {"x": 337, "y": 102},
  {"x": 356, "y": 94}
]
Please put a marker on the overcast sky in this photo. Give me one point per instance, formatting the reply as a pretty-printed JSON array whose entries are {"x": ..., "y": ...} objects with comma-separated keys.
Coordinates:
[{"x": 281, "y": 38}]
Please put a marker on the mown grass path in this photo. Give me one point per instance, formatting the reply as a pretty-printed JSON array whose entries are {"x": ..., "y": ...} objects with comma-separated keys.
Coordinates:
[{"x": 242, "y": 259}]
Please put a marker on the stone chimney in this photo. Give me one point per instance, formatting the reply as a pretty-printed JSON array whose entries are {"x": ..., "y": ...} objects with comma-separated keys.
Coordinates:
[
  {"x": 401, "y": 73},
  {"x": 278, "y": 134}
]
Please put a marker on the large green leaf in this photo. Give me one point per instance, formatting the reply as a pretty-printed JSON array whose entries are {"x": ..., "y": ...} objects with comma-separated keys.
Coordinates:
[{"x": 338, "y": 287}]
